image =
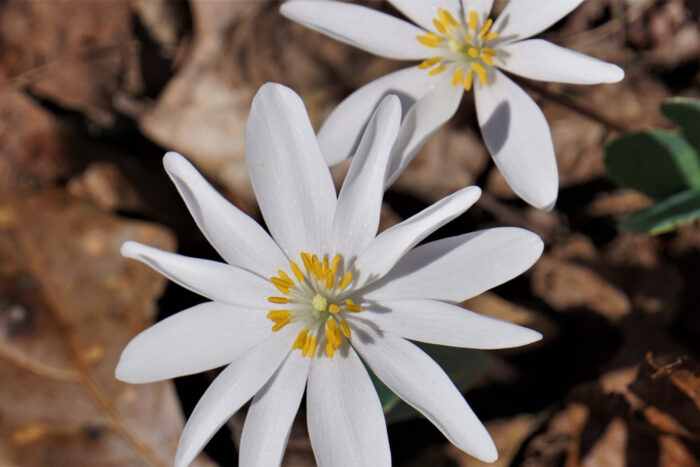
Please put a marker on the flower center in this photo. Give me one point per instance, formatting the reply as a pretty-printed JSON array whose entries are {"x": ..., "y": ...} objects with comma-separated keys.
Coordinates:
[
  {"x": 318, "y": 299},
  {"x": 463, "y": 46}
]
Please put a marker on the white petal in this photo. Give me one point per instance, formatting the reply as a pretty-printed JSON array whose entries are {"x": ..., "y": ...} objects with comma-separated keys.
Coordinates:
[
  {"x": 289, "y": 175},
  {"x": 483, "y": 7},
  {"x": 517, "y": 136},
  {"x": 344, "y": 415},
  {"x": 422, "y": 120},
  {"x": 457, "y": 268},
  {"x": 341, "y": 131},
  {"x": 229, "y": 391},
  {"x": 544, "y": 61},
  {"x": 217, "y": 281},
  {"x": 417, "y": 379},
  {"x": 422, "y": 12},
  {"x": 367, "y": 29},
  {"x": 200, "y": 338},
  {"x": 392, "y": 244},
  {"x": 445, "y": 324},
  {"x": 269, "y": 419},
  {"x": 360, "y": 200},
  {"x": 238, "y": 238},
  {"x": 521, "y": 19}
]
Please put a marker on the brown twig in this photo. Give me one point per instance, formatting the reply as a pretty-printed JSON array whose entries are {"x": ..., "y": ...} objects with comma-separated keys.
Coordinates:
[{"x": 41, "y": 369}]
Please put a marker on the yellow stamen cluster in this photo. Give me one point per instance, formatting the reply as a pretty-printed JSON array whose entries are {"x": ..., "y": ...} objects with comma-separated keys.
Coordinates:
[
  {"x": 317, "y": 300},
  {"x": 464, "y": 46}
]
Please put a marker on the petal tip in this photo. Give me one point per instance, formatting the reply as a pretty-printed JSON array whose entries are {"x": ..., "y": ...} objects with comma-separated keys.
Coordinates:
[
  {"x": 173, "y": 160},
  {"x": 130, "y": 249}
]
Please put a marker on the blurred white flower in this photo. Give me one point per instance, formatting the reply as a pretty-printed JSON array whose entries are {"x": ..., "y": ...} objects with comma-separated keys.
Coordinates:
[
  {"x": 293, "y": 310},
  {"x": 462, "y": 49}
]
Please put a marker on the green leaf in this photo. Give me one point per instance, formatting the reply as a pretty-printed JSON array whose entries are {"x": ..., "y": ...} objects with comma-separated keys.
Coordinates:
[
  {"x": 665, "y": 215},
  {"x": 464, "y": 366},
  {"x": 657, "y": 163},
  {"x": 685, "y": 113}
]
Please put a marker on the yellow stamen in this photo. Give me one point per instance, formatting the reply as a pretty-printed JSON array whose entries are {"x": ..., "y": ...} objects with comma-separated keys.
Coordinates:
[
  {"x": 468, "y": 80},
  {"x": 487, "y": 59},
  {"x": 485, "y": 28},
  {"x": 488, "y": 51},
  {"x": 278, "y": 300},
  {"x": 276, "y": 315},
  {"x": 306, "y": 258},
  {"x": 457, "y": 77},
  {"x": 430, "y": 40},
  {"x": 440, "y": 26},
  {"x": 473, "y": 19},
  {"x": 307, "y": 345},
  {"x": 300, "y": 340},
  {"x": 312, "y": 348},
  {"x": 345, "y": 281},
  {"x": 446, "y": 17},
  {"x": 331, "y": 335},
  {"x": 281, "y": 285},
  {"x": 346, "y": 329},
  {"x": 467, "y": 38},
  {"x": 297, "y": 272},
  {"x": 481, "y": 71},
  {"x": 330, "y": 279},
  {"x": 329, "y": 349},
  {"x": 317, "y": 267},
  {"x": 473, "y": 52},
  {"x": 335, "y": 263},
  {"x": 325, "y": 267},
  {"x": 334, "y": 309},
  {"x": 281, "y": 324},
  {"x": 490, "y": 36},
  {"x": 425, "y": 64},
  {"x": 436, "y": 71},
  {"x": 350, "y": 306},
  {"x": 286, "y": 277}
]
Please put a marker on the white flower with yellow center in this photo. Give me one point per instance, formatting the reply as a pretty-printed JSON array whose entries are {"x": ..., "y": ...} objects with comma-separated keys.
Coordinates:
[
  {"x": 461, "y": 49},
  {"x": 293, "y": 310}
]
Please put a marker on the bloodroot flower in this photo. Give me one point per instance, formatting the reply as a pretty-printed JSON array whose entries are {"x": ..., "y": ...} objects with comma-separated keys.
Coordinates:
[
  {"x": 299, "y": 309},
  {"x": 462, "y": 49}
]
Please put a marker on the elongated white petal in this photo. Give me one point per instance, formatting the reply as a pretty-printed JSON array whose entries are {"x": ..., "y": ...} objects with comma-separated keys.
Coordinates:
[
  {"x": 457, "y": 268},
  {"x": 289, "y": 175},
  {"x": 517, "y": 136},
  {"x": 417, "y": 379},
  {"x": 392, "y": 244},
  {"x": 269, "y": 419},
  {"x": 200, "y": 338},
  {"x": 217, "y": 281},
  {"x": 422, "y": 120},
  {"x": 422, "y": 12},
  {"x": 360, "y": 201},
  {"x": 521, "y": 19},
  {"x": 238, "y": 238},
  {"x": 345, "y": 418},
  {"x": 229, "y": 391},
  {"x": 544, "y": 61},
  {"x": 482, "y": 7},
  {"x": 445, "y": 324},
  {"x": 340, "y": 133},
  {"x": 367, "y": 29}
]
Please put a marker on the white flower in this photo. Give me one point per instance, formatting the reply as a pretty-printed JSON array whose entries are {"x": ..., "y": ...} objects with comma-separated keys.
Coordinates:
[
  {"x": 293, "y": 310},
  {"x": 461, "y": 49}
]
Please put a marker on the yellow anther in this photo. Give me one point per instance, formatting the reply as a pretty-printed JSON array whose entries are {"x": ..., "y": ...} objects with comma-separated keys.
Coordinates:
[
  {"x": 345, "y": 281},
  {"x": 346, "y": 329},
  {"x": 473, "y": 20},
  {"x": 286, "y": 277},
  {"x": 457, "y": 77},
  {"x": 278, "y": 300},
  {"x": 437, "y": 70},
  {"x": 467, "y": 38},
  {"x": 350, "y": 306},
  {"x": 297, "y": 272},
  {"x": 481, "y": 71},
  {"x": 281, "y": 285},
  {"x": 300, "y": 340},
  {"x": 280, "y": 324},
  {"x": 485, "y": 28},
  {"x": 329, "y": 349},
  {"x": 430, "y": 40},
  {"x": 312, "y": 347},
  {"x": 487, "y": 60},
  {"x": 335, "y": 263},
  {"x": 446, "y": 17},
  {"x": 317, "y": 267},
  {"x": 473, "y": 52},
  {"x": 425, "y": 64},
  {"x": 330, "y": 279},
  {"x": 468, "y": 80},
  {"x": 326, "y": 266},
  {"x": 307, "y": 346},
  {"x": 277, "y": 315},
  {"x": 306, "y": 259},
  {"x": 490, "y": 36},
  {"x": 331, "y": 334},
  {"x": 334, "y": 309},
  {"x": 488, "y": 51},
  {"x": 440, "y": 26}
]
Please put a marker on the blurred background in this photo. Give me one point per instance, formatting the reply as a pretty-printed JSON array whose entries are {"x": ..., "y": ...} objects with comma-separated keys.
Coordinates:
[{"x": 92, "y": 93}]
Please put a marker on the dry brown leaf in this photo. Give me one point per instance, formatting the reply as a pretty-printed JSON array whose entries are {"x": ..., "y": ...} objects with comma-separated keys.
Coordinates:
[{"x": 69, "y": 303}]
